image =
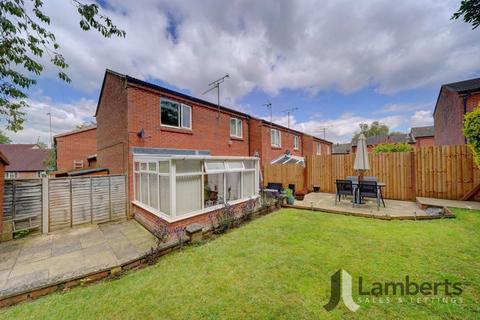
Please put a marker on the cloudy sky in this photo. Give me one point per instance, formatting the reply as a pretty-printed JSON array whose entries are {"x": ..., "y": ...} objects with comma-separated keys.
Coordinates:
[{"x": 339, "y": 62}]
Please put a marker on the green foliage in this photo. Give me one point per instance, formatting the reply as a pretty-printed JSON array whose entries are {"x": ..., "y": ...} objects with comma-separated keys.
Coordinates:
[
  {"x": 471, "y": 130},
  {"x": 374, "y": 129},
  {"x": 4, "y": 139},
  {"x": 21, "y": 234},
  {"x": 392, "y": 147},
  {"x": 24, "y": 39},
  {"x": 51, "y": 161},
  {"x": 470, "y": 11}
]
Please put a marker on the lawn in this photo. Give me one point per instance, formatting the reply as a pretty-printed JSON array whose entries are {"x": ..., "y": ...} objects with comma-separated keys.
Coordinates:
[{"x": 279, "y": 266}]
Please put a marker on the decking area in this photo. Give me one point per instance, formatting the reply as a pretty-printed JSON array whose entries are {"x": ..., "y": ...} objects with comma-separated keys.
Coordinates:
[{"x": 394, "y": 209}]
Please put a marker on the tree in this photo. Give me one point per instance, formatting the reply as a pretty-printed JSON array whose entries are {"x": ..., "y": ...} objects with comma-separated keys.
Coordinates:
[
  {"x": 4, "y": 139},
  {"x": 86, "y": 125},
  {"x": 471, "y": 130},
  {"x": 392, "y": 147},
  {"x": 24, "y": 40},
  {"x": 374, "y": 129},
  {"x": 470, "y": 11},
  {"x": 42, "y": 145},
  {"x": 51, "y": 161}
]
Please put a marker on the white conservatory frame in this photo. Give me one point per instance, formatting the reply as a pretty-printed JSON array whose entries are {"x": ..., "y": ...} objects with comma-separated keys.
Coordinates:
[{"x": 172, "y": 174}]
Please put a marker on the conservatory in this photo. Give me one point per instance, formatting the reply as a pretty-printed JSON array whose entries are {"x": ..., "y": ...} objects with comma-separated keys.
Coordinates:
[{"x": 178, "y": 187}]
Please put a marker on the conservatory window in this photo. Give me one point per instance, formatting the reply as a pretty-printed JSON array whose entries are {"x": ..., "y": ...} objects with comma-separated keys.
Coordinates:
[{"x": 179, "y": 187}]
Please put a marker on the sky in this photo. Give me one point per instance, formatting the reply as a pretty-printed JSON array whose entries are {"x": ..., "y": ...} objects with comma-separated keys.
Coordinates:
[{"x": 337, "y": 63}]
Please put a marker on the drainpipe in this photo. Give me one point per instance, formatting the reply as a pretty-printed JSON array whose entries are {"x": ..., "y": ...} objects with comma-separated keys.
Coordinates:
[{"x": 465, "y": 100}]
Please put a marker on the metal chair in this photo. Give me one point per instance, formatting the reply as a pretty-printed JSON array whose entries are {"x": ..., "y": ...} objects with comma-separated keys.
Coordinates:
[
  {"x": 370, "y": 189},
  {"x": 345, "y": 188}
]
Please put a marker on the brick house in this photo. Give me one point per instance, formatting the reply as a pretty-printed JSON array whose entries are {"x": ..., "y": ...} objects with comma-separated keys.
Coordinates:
[
  {"x": 453, "y": 102},
  {"x": 76, "y": 149},
  {"x": 26, "y": 161},
  {"x": 184, "y": 156},
  {"x": 423, "y": 136},
  {"x": 3, "y": 162}
]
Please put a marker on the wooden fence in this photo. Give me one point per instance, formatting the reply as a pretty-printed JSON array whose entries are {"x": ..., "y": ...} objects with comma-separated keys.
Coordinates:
[
  {"x": 446, "y": 172},
  {"x": 285, "y": 174}
]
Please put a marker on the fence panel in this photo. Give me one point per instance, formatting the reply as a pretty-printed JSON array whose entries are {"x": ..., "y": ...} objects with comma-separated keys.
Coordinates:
[
  {"x": 74, "y": 201},
  {"x": 22, "y": 203},
  {"x": 285, "y": 174}
]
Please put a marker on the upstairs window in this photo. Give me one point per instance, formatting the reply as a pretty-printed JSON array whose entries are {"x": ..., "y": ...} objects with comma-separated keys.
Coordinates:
[
  {"x": 235, "y": 128},
  {"x": 296, "y": 142},
  {"x": 319, "y": 149},
  {"x": 275, "y": 138},
  {"x": 175, "y": 114}
]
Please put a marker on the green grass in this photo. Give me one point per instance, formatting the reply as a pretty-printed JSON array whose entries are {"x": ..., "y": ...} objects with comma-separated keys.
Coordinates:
[{"x": 279, "y": 266}]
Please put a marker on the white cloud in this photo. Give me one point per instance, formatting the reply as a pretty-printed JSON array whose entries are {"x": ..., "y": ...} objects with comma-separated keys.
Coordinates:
[
  {"x": 421, "y": 118},
  {"x": 65, "y": 117},
  {"x": 402, "y": 107},
  {"x": 340, "y": 129},
  {"x": 274, "y": 45}
]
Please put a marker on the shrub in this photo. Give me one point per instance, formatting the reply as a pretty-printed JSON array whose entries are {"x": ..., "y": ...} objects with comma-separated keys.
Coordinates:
[
  {"x": 225, "y": 219},
  {"x": 392, "y": 147},
  {"x": 471, "y": 130}
]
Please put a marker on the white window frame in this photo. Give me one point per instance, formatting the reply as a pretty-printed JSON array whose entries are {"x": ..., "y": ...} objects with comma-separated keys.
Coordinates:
[
  {"x": 296, "y": 142},
  {"x": 11, "y": 175},
  {"x": 180, "y": 118},
  {"x": 319, "y": 148},
  {"x": 238, "y": 122},
  {"x": 273, "y": 144},
  {"x": 173, "y": 216}
]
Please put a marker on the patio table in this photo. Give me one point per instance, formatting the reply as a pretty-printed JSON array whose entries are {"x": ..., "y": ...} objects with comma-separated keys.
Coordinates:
[{"x": 356, "y": 199}]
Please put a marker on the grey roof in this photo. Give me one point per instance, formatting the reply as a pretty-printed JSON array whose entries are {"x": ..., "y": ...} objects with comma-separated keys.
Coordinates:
[
  {"x": 373, "y": 141},
  {"x": 341, "y": 148},
  {"x": 465, "y": 86},
  {"x": 420, "y": 132}
]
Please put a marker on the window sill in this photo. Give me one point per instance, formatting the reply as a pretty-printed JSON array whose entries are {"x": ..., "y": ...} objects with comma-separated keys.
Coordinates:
[
  {"x": 236, "y": 138},
  {"x": 189, "y": 215},
  {"x": 276, "y": 147},
  {"x": 175, "y": 129}
]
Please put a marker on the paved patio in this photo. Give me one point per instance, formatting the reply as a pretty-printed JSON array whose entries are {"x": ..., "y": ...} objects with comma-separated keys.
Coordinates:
[
  {"x": 395, "y": 209},
  {"x": 41, "y": 260}
]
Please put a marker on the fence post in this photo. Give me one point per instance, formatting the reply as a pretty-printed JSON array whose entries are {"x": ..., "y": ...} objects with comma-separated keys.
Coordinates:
[
  {"x": 91, "y": 201},
  {"x": 45, "y": 206},
  {"x": 71, "y": 204},
  {"x": 110, "y": 196}
]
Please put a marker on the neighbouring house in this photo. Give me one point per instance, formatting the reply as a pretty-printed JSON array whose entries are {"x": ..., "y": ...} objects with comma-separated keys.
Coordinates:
[
  {"x": 76, "y": 149},
  {"x": 277, "y": 144},
  {"x": 185, "y": 157},
  {"x": 341, "y": 148},
  {"x": 3, "y": 162},
  {"x": 376, "y": 140},
  {"x": 453, "y": 102},
  {"x": 423, "y": 136},
  {"x": 26, "y": 161}
]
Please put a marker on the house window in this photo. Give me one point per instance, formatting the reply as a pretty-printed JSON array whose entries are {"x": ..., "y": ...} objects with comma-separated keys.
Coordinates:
[
  {"x": 319, "y": 148},
  {"x": 236, "y": 128},
  {"x": 178, "y": 187},
  {"x": 175, "y": 114},
  {"x": 11, "y": 175},
  {"x": 296, "y": 142},
  {"x": 275, "y": 138}
]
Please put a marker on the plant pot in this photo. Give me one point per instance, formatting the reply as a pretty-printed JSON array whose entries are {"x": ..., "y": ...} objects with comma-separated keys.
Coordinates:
[
  {"x": 300, "y": 197},
  {"x": 290, "y": 200}
]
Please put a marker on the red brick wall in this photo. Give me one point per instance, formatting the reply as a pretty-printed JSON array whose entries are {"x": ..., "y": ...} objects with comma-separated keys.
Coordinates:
[
  {"x": 112, "y": 129},
  {"x": 2, "y": 184},
  {"x": 151, "y": 222},
  {"x": 209, "y": 132},
  {"x": 448, "y": 117},
  {"x": 75, "y": 147},
  {"x": 424, "y": 142}
]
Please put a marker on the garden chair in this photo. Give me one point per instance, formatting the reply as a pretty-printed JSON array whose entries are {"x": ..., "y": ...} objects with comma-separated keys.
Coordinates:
[
  {"x": 370, "y": 189},
  {"x": 344, "y": 188}
]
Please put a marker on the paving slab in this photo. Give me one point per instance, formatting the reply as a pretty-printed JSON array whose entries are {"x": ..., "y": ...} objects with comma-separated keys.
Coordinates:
[
  {"x": 40, "y": 260},
  {"x": 449, "y": 203}
]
